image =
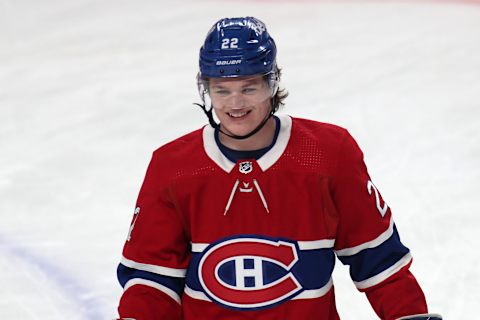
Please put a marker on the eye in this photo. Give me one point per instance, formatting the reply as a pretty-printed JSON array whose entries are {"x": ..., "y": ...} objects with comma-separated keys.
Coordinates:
[
  {"x": 221, "y": 92},
  {"x": 249, "y": 90}
]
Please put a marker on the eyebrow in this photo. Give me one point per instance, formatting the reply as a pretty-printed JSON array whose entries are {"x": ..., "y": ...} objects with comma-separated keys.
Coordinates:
[{"x": 246, "y": 84}]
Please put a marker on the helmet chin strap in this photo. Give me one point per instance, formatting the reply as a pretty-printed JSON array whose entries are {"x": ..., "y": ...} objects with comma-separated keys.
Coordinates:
[{"x": 234, "y": 136}]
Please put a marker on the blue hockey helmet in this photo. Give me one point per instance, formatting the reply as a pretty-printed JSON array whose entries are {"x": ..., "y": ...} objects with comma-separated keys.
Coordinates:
[{"x": 237, "y": 47}]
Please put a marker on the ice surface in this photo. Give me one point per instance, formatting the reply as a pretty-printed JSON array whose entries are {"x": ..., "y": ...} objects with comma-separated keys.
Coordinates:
[{"x": 88, "y": 89}]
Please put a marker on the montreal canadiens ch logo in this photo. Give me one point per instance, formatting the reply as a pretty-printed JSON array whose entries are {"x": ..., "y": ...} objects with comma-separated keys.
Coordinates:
[{"x": 249, "y": 273}]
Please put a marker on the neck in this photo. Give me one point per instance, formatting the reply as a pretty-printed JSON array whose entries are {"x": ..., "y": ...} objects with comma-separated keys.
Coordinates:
[{"x": 259, "y": 140}]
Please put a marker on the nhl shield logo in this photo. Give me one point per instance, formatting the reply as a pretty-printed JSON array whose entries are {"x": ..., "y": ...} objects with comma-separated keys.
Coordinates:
[{"x": 245, "y": 167}]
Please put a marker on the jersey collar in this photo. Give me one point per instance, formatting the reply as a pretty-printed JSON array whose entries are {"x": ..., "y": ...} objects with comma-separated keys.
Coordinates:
[{"x": 265, "y": 162}]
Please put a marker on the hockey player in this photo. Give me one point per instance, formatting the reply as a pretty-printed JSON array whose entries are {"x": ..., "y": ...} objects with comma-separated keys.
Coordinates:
[{"x": 243, "y": 218}]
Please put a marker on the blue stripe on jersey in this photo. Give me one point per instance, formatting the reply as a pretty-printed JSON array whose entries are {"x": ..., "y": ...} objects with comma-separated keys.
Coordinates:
[
  {"x": 313, "y": 269},
  {"x": 124, "y": 274},
  {"x": 370, "y": 262}
]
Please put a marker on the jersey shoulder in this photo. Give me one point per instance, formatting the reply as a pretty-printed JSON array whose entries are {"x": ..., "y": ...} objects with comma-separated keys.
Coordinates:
[
  {"x": 182, "y": 157},
  {"x": 178, "y": 148},
  {"x": 322, "y": 132},
  {"x": 316, "y": 146}
]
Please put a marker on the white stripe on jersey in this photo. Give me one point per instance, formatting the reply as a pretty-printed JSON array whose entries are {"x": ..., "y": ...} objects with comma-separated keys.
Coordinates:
[
  {"x": 369, "y": 244},
  {"x": 303, "y": 245},
  {"x": 269, "y": 158},
  {"x": 164, "y": 271},
  {"x": 315, "y": 293},
  {"x": 199, "y": 295},
  {"x": 306, "y": 294},
  {"x": 370, "y": 282},
  {"x": 421, "y": 316},
  {"x": 172, "y": 294},
  {"x": 316, "y": 244},
  {"x": 199, "y": 247}
]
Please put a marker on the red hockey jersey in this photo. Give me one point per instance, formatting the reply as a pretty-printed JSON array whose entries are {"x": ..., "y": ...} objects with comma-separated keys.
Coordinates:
[{"x": 257, "y": 239}]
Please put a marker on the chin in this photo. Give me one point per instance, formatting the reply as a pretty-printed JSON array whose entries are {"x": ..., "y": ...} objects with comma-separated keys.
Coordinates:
[{"x": 238, "y": 131}]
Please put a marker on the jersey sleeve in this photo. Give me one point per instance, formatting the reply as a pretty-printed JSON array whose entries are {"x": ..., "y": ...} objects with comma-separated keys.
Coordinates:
[
  {"x": 156, "y": 253},
  {"x": 368, "y": 240}
]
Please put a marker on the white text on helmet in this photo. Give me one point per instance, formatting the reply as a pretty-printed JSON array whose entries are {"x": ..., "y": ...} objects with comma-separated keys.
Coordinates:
[
  {"x": 258, "y": 27},
  {"x": 228, "y": 62}
]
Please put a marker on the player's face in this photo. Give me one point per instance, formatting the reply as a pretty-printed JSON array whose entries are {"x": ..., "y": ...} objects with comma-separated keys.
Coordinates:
[{"x": 240, "y": 104}]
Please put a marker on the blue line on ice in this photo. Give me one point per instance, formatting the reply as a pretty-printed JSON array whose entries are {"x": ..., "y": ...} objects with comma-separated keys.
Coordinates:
[{"x": 89, "y": 307}]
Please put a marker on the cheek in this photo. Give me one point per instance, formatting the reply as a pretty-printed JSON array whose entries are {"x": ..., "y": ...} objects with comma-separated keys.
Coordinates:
[
  {"x": 265, "y": 107},
  {"x": 219, "y": 105}
]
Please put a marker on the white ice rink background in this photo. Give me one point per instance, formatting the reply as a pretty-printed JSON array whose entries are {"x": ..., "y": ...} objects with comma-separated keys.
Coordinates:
[{"x": 88, "y": 89}]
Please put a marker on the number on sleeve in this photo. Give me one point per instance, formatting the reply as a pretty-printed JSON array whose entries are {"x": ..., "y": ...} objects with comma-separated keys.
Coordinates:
[
  {"x": 382, "y": 210},
  {"x": 137, "y": 212}
]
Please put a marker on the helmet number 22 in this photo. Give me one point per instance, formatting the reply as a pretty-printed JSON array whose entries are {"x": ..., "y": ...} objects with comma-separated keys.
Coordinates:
[
  {"x": 230, "y": 43},
  {"x": 380, "y": 209}
]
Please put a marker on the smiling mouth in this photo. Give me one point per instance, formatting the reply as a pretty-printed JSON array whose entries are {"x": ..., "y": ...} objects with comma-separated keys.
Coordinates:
[{"x": 238, "y": 115}]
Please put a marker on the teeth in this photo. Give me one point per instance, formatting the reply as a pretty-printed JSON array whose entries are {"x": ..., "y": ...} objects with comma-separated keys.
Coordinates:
[{"x": 237, "y": 114}]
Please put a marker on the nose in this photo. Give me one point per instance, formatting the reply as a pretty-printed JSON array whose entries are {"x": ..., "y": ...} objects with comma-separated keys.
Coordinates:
[{"x": 236, "y": 101}]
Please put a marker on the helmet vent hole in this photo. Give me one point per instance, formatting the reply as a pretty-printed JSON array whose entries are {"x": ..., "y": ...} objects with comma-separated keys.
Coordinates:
[{"x": 252, "y": 38}]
